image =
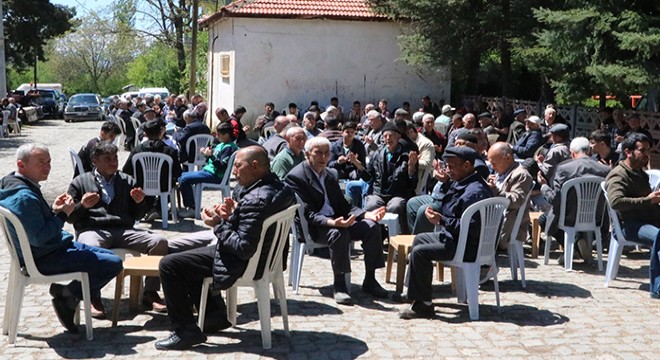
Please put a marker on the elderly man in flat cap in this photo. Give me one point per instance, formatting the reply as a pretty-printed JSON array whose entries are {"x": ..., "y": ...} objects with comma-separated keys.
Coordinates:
[{"x": 467, "y": 188}]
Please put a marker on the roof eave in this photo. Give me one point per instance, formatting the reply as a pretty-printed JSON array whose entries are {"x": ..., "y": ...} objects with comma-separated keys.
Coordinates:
[{"x": 220, "y": 15}]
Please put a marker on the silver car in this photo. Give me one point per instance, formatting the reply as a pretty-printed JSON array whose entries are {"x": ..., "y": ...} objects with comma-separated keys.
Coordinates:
[{"x": 83, "y": 107}]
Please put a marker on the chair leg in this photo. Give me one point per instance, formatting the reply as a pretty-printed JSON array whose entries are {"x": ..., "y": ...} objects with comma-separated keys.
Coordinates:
[
  {"x": 119, "y": 288},
  {"x": 301, "y": 257},
  {"x": 520, "y": 255},
  {"x": 546, "y": 252},
  {"x": 569, "y": 242},
  {"x": 278, "y": 286},
  {"x": 471, "y": 283},
  {"x": 175, "y": 216},
  {"x": 203, "y": 299},
  {"x": 613, "y": 261},
  {"x": 293, "y": 261},
  {"x": 263, "y": 304},
  {"x": 599, "y": 246},
  {"x": 9, "y": 306},
  {"x": 163, "y": 210},
  {"x": 390, "y": 260},
  {"x": 17, "y": 305},
  {"x": 87, "y": 303},
  {"x": 512, "y": 260},
  {"x": 461, "y": 294},
  {"x": 496, "y": 286},
  {"x": 231, "y": 304}
]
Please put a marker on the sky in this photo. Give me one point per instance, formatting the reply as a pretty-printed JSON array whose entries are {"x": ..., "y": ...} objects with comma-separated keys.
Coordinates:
[{"x": 84, "y": 6}]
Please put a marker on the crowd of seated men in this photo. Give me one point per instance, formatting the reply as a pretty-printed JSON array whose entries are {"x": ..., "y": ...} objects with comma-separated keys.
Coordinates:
[{"x": 349, "y": 168}]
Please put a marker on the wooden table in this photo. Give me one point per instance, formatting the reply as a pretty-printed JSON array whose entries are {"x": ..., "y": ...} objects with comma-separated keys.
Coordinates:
[
  {"x": 136, "y": 268},
  {"x": 536, "y": 232},
  {"x": 402, "y": 244}
]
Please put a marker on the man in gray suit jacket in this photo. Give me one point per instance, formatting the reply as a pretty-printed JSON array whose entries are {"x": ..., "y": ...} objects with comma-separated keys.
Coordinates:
[
  {"x": 579, "y": 165},
  {"x": 513, "y": 182}
]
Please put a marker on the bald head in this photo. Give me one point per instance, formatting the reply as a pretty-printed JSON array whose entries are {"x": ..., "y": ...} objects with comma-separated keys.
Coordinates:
[
  {"x": 500, "y": 156},
  {"x": 222, "y": 114},
  {"x": 280, "y": 123}
]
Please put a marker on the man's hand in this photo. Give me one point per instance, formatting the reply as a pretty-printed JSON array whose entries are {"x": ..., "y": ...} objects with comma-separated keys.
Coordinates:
[
  {"x": 64, "y": 203},
  {"x": 413, "y": 156},
  {"x": 434, "y": 217},
  {"x": 227, "y": 208},
  {"x": 368, "y": 140},
  {"x": 540, "y": 179},
  {"x": 137, "y": 194},
  {"x": 376, "y": 214},
  {"x": 206, "y": 151},
  {"x": 210, "y": 217},
  {"x": 342, "y": 159},
  {"x": 491, "y": 181},
  {"x": 438, "y": 149},
  {"x": 654, "y": 197},
  {"x": 90, "y": 199},
  {"x": 353, "y": 159},
  {"x": 540, "y": 158},
  {"x": 340, "y": 222}
]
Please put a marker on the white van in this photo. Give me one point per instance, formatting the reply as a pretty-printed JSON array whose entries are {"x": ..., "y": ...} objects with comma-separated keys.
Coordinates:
[
  {"x": 40, "y": 86},
  {"x": 163, "y": 92}
]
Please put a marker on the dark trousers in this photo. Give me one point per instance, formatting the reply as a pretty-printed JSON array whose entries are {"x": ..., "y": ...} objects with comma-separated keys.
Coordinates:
[
  {"x": 181, "y": 276},
  {"x": 426, "y": 248},
  {"x": 339, "y": 242}
]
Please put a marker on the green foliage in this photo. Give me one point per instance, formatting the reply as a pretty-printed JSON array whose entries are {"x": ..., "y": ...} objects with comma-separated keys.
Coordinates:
[
  {"x": 28, "y": 25},
  {"x": 155, "y": 67}
]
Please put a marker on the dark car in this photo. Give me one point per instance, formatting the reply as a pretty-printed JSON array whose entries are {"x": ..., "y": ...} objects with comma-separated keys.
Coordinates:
[
  {"x": 83, "y": 107},
  {"x": 48, "y": 101}
]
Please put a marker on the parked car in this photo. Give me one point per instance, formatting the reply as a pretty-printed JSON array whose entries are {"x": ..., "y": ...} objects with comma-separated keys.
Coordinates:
[
  {"x": 163, "y": 92},
  {"x": 48, "y": 101},
  {"x": 84, "y": 107}
]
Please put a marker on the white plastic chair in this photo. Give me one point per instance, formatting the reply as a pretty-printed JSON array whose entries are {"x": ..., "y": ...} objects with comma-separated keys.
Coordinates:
[
  {"x": 654, "y": 178},
  {"x": 223, "y": 186},
  {"x": 269, "y": 131},
  {"x": 20, "y": 277},
  {"x": 151, "y": 165},
  {"x": 76, "y": 162},
  {"x": 588, "y": 192},
  {"x": 5, "y": 124},
  {"x": 515, "y": 249},
  {"x": 421, "y": 186},
  {"x": 302, "y": 244},
  {"x": 199, "y": 142},
  {"x": 122, "y": 126},
  {"x": 136, "y": 124},
  {"x": 272, "y": 273},
  {"x": 491, "y": 212},
  {"x": 617, "y": 242}
]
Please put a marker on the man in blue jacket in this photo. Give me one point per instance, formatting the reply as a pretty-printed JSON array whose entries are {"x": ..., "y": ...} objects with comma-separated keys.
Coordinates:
[
  {"x": 531, "y": 140},
  {"x": 53, "y": 249},
  {"x": 237, "y": 224},
  {"x": 466, "y": 189}
]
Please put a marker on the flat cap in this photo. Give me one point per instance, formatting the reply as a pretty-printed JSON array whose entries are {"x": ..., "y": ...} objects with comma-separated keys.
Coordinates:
[
  {"x": 464, "y": 152},
  {"x": 557, "y": 128}
]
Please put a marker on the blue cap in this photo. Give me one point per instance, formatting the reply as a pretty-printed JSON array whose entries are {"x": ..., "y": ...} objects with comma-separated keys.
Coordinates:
[
  {"x": 464, "y": 152},
  {"x": 519, "y": 111}
]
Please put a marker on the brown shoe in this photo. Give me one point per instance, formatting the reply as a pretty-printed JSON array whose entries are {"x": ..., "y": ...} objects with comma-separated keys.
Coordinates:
[
  {"x": 153, "y": 301},
  {"x": 98, "y": 311}
]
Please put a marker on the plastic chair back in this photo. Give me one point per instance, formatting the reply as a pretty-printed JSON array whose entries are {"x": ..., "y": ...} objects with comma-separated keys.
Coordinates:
[
  {"x": 588, "y": 192},
  {"x": 282, "y": 223},
  {"x": 151, "y": 165},
  {"x": 491, "y": 211},
  {"x": 76, "y": 162},
  {"x": 521, "y": 213},
  {"x": 269, "y": 131},
  {"x": 512, "y": 138},
  {"x": 617, "y": 231},
  {"x": 654, "y": 178},
  {"x": 194, "y": 144}
]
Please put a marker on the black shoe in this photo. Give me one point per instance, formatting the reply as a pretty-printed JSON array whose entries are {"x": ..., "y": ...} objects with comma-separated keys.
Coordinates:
[
  {"x": 374, "y": 288},
  {"x": 216, "y": 322},
  {"x": 58, "y": 290},
  {"x": 418, "y": 310},
  {"x": 65, "y": 312},
  {"x": 401, "y": 298},
  {"x": 181, "y": 339},
  {"x": 655, "y": 295}
]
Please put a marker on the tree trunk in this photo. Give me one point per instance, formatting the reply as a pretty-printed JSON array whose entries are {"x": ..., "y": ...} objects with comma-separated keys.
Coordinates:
[
  {"x": 193, "y": 50},
  {"x": 505, "y": 63},
  {"x": 180, "y": 49}
]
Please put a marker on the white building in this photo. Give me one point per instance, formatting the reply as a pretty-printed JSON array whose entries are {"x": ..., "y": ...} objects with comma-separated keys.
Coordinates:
[{"x": 284, "y": 51}]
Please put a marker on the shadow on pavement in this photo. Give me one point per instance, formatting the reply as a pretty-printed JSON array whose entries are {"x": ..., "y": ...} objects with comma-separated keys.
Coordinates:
[
  {"x": 540, "y": 288},
  {"x": 521, "y": 315},
  {"x": 248, "y": 312},
  {"x": 75, "y": 346}
]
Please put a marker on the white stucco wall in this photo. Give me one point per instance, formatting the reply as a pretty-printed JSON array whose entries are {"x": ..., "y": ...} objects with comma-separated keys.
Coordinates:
[{"x": 299, "y": 61}]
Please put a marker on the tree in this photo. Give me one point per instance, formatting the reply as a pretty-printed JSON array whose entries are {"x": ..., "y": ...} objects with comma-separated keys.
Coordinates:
[
  {"x": 92, "y": 56},
  {"x": 462, "y": 33},
  {"x": 599, "y": 47},
  {"x": 29, "y": 24}
]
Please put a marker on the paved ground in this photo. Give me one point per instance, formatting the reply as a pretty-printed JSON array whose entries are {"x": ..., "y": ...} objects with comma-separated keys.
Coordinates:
[{"x": 559, "y": 315}]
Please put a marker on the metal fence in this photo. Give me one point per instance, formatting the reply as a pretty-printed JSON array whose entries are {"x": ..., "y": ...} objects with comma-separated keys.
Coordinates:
[{"x": 583, "y": 120}]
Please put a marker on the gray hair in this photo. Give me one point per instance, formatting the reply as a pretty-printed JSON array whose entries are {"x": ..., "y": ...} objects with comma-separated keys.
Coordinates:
[
  {"x": 426, "y": 116},
  {"x": 580, "y": 145},
  {"x": 23, "y": 152},
  {"x": 374, "y": 114},
  {"x": 315, "y": 142},
  {"x": 309, "y": 115},
  {"x": 294, "y": 130},
  {"x": 189, "y": 114}
]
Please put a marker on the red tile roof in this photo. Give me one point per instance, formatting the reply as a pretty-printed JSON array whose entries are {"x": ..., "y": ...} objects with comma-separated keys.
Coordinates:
[{"x": 297, "y": 9}]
